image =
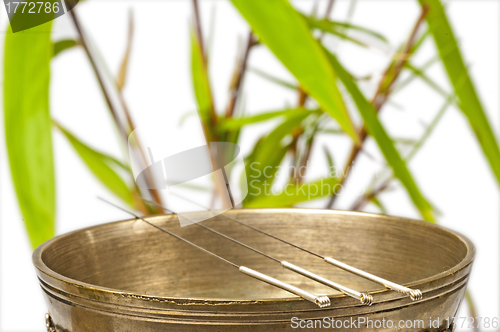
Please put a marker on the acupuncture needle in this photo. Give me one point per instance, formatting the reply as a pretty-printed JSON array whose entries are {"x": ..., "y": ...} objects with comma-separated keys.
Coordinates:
[
  {"x": 321, "y": 301},
  {"x": 414, "y": 294},
  {"x": 364, "y": 298}
]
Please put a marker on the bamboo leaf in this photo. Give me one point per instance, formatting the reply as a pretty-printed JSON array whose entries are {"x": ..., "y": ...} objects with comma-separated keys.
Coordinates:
[
  {"x": 63, "y": 45},
  {"x": 329, "y": 158},
  {"x": 385, "y": 143},
  {"x": 453, "y": 62},
  {"x": 430, "y": 128},
  {"x": 101, "y": 165},
  {"x": 277, "y": 135},
  {"x": 185, "y": 116},
  {"x": 201, "y": 84},
  {"x": 238, "y": 123},
  {"x": 27, "y": 128},
  {"x": 283, "y": 29},
  {"x": 274, "y": 79},
  {"x": 417, "y": 144},
  {"x": 376, "y": 201},
  {"x": 260, "y": 177},
  {"x": 240, "y": 109},
  {"x": 338, "y": 28},
  {"x": 418, "y": 43},
  {"x": 296, "y": 193},
  {"x": 267, "y": 156},
  {"x": 420, "y": 73},
  {"x": 404, "y": 140},
  {"x": 408, "y": 80},
  {"x": 332, "y": 131}
]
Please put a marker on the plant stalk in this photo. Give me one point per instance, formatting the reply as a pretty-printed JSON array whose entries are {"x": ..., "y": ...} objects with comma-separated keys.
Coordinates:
[
  {"x": 210, "y": 135},
  {"x": 239, "y": 73},
  {"x": 383, "y": 91},
  {"x": 112, "y": 105},
  {"x": 297, "y": 177}
]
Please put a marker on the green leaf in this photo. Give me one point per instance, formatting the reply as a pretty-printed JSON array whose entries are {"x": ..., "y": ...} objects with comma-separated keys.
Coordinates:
[
  {"x": 385, "y": 143},
  {"x": 430, "y": 128},
  {"x": 378, "y": 204},
  {"x": 453, "y": 62},
  {"x": 62, "y": 45},
  {"x": 329, "y": 158},
  {"x": 28, "y": 129},
  {"x": 267, "y": 156},
  {"x": 404, "y": 140},
  {"x": 418, "y": 43},
  {"x": 101, "y": 165},
  {"x": 201, "y": 84},
  {"x": 399, "y": 86},
  {"x": 296, "y": 193},
  {"x": 420, "y": 73},
  {"x": 238, "y": 123},
  {"x": 234, "y": 135},
  {"x": 338, "y": 28},
  {"x": 185, "y": 116},
  {"x": 274, "y": 79},
  {"x": 282, "y": 28},
  {"x": 332, "y": 131},
  {"x": 416, "y": 145}
]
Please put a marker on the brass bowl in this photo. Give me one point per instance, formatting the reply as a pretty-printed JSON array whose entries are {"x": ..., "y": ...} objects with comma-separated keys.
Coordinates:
[{"x": 128, "y": 276}]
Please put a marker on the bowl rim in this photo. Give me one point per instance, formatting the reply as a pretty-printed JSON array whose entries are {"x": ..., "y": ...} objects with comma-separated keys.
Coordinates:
[{"x": 43, "y": 268}]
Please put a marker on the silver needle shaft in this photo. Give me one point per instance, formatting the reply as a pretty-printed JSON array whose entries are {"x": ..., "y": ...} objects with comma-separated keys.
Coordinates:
[
  {"x": 414, "y": 294},
  {"x": 320, "y": 300},
  {"x": 362, "y": 297}
]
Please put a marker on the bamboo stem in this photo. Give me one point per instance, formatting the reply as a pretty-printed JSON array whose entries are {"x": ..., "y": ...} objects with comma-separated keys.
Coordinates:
[
  {"x": 384, "y": 89},
  {"x": 239, "y": 73},
  {"x": 297, "y": 176},
  {"x": 210, "y": 135},
  {"x": 112, "y": 105}
]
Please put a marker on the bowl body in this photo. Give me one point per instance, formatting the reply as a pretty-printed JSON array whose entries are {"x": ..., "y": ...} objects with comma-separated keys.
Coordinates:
[{"x": 128, "y": 276}]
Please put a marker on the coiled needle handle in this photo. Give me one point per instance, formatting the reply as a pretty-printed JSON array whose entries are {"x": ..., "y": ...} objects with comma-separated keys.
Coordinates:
[
  {"x": 321, "y": 301},
  {"x": 415, "y": 294},
  {"x": 364, "y": 298}
]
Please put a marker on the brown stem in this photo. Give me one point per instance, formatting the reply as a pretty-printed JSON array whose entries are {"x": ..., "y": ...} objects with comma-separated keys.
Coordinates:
[
  {"x": 368, "y": 197},
  {"x": 197, "y": 19},
  {"x": 100, "y": 76},
  {"x": 302, "y": 98},
  {"x": 305, "y": 159},
  {"x": 298, "y": 176},
  {"x": 384, "y": 88},
  {"x": 107, "y": 95},
  {"x": 140, "y": 148},
  {"x": 239, "y": 73},
  {"x": 329, "y": 8},
  {"x": 294, "y": 176},
  {"x": 209, "y": 135},
  {"x": 297, "y": 131}
]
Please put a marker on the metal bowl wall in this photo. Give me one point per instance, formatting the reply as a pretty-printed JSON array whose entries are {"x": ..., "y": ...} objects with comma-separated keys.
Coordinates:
[{"x": 128, "y": 276}]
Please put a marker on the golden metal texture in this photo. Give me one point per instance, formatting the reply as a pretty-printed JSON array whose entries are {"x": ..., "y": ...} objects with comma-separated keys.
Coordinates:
[{"x": 128, "y": 276}]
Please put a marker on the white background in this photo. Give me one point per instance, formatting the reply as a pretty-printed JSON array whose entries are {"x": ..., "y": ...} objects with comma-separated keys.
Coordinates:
[{"x": 450, "y": 169}]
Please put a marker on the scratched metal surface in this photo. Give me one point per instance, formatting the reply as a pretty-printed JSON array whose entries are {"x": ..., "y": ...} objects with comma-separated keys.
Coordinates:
[{"x": 128, "y": 276}]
